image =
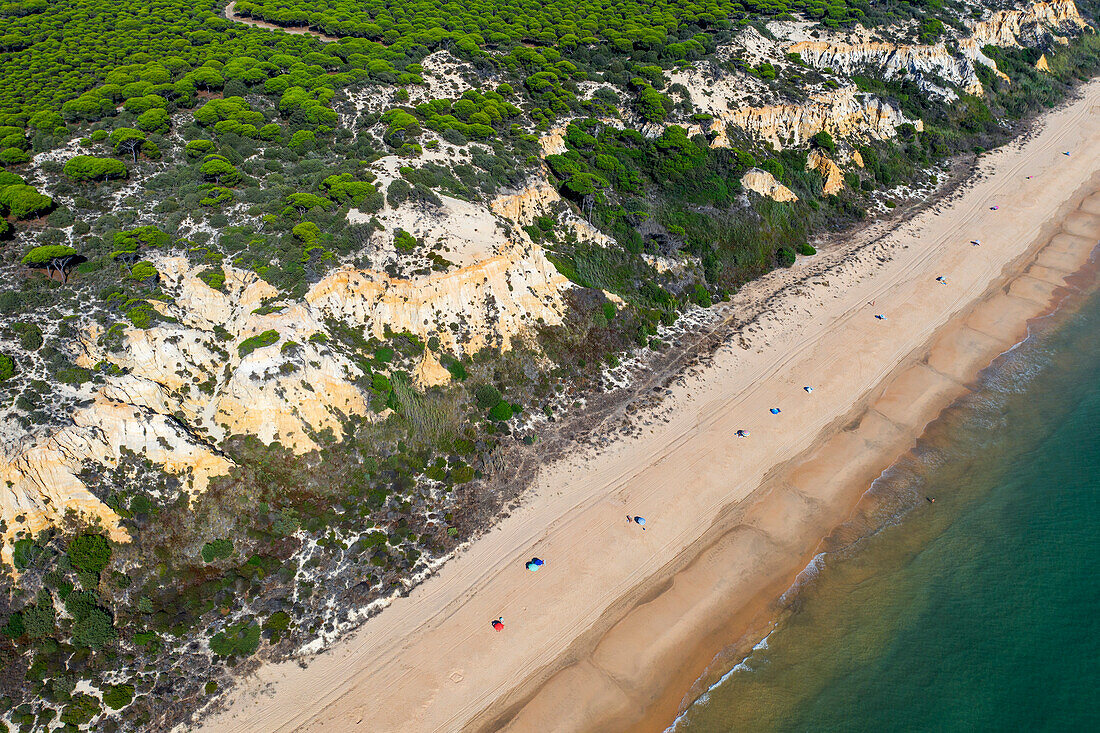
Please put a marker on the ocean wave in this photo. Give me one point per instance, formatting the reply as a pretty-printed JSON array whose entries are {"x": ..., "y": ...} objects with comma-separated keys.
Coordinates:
[{"x": 742, "y": 666}]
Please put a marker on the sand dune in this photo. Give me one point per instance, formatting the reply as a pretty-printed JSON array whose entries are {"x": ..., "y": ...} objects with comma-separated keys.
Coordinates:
[{"x": 613, "y": 630}]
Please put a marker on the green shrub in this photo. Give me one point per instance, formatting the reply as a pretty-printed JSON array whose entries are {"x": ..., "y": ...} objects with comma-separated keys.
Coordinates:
[
  {"x": 7, "y": 367},
  {"x": 142, "y": 315},
  {"x": 805, "y": 249},
  {"x": 307, "y": 232},
  {"x": 403, "y": 241},
  {"x": 380, "y": 384},
  {"x": 213, "y": 278},
  {"x": 80, "y": 710},
  {"x": 144, "y": 270},
  {"x": 278, "y": 621},
  {"x": 89, "y": 552},
  {"x": 217, "y": 550},
  {"x": 501, "y": 411},
  {"x": 13, "y": 628},
  {"x": 39, "y": 621},
  {"x": 24, "y": 552},
  {"x": 74, "y": 376},
  {"x": 824, "y": 141},
  {"x": 700, "y": 296},
  {"x": 240, "y": 639},
  {"x": 258, "y": 341},
  {"x": 94, "y": 630},
  {"x": 486, "y": 395},
  {"x": 117, "y": 697}
]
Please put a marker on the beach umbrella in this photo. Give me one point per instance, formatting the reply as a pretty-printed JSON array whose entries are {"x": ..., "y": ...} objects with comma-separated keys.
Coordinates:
[
  {"x": 498, "y": 623},
  {"x": 639, "y": 520},
  {"x": 534, "y": 564}
]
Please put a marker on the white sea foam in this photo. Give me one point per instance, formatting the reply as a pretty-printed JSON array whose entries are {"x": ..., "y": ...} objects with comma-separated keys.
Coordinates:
[{"x": 742, "y": 666}]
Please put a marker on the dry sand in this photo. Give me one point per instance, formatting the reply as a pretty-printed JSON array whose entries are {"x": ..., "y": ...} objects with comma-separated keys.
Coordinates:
[{"x": 611, "y": 633}]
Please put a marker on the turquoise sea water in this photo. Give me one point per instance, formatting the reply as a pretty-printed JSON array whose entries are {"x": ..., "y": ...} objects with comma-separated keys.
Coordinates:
[{"x": 980, "y": 611}]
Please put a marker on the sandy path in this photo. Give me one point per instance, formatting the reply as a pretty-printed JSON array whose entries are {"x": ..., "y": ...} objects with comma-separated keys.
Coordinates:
[
  {"x": 298, "y": 30},
  {"x": 431, "y": 661}
]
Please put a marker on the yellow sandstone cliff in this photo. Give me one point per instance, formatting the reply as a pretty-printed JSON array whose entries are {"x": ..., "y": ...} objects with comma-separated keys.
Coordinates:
[
  {"x": 1034, "y": 25},
  {"x": 829, "y": 170},
  {"x": 765, "y": 184},
  {"x": 179, "y": 388},
  {"x": 843, "y": 113}
]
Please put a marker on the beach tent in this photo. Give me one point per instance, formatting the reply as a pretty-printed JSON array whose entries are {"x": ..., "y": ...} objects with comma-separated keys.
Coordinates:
[
  {"x": 775, "y": 411},
  {"x": 534, "y": 564},
  {"x": 639, "y": 520}
]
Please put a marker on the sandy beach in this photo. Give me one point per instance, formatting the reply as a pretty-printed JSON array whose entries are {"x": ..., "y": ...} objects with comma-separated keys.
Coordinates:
[{"x": 611, "y": 633}]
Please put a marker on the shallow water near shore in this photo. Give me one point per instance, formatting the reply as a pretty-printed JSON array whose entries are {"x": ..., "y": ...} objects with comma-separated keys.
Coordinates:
[{"x": 977, "y": 611}]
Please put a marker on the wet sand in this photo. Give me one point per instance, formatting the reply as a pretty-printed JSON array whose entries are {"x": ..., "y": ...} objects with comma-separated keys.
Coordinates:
[{"x": 611, "y": 634}]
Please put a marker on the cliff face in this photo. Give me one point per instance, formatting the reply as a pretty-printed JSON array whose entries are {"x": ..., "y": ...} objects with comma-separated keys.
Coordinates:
[
  {"x": 823, "y": 164},
  {"x": 491, "y": 303},
  {"x": 180, "y": 387},
  {"x": 843, "y": 113},
  {"x": 1035, "y": 25},
  {"x": 919, "y": 62},
  {"x": 765, "y": 184}
]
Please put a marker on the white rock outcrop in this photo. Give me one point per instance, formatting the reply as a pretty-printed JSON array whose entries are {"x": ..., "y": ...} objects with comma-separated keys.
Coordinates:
[
  {"x": 1035, "y": 25},
  {"x": 893, "y": 61},
  {"x": 1038, "y": 24},
  {"x": 844, "y": 113},
  {"x": 179, "y": 388}
]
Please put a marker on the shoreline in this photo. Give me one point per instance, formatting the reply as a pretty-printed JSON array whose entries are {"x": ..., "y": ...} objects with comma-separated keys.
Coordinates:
[
  {"x": 427, "y": 664},
  {"x": 759, "y": 627},
  {"x": 865, "y": 518}
]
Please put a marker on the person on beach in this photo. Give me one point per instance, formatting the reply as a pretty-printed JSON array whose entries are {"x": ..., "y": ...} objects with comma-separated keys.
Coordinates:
[
  {"x": 880, "y": 317},
  {"x": 742, "y": 433},
  {"x": 941, "y": 280},
  {"x": 976, "y": 243},
  {"x": 498, "y": 623},
  {"x": 808, "y": 389}
]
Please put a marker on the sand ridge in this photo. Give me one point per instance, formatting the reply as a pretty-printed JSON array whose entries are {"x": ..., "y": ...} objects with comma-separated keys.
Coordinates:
[{"x": 589, "y": 622}]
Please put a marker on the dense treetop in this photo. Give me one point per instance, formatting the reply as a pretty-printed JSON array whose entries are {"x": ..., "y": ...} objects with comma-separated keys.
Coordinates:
[
  {"x": 496, "y": 22},
  {"x": 46, "y": 63}
]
